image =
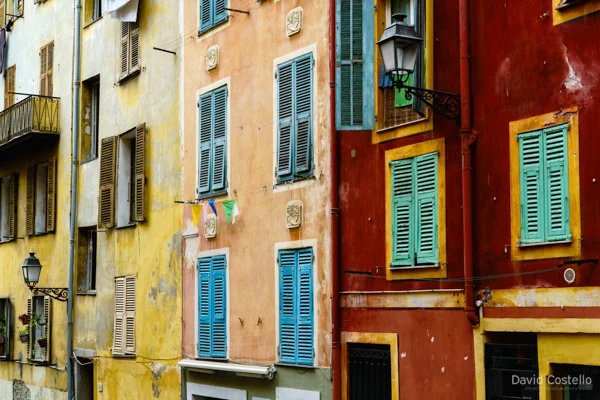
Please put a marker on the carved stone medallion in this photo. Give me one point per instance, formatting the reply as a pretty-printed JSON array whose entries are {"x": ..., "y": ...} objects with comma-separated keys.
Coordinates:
[
  {"x": 293, "y": 21},
  {"x": 211, "y": 226},
  {"x": 294, "y": 214},
  {"x": 212, "y": 58}
]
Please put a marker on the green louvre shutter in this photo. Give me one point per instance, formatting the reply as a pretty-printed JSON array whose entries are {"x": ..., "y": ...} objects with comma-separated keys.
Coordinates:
[
  {"x": 530, "y": 160},
  {"x": 206, "y": 19},
  {"x": 220, "y": 11},
  {"x": 285, "y": 106},
  {"x": 303, "y": 116},
  {"x": 205, "y": 139},
  {"x": 288, "y": 337},
  {"x": 219, "y": 308},
  {"x": 212, "y": 137},
  {"x": 204, "y": 311},
  {"x": 557, "y": 184},
  {"x": 403, "y": 253},
  {"x": 219, "y": 148},
  {"x": 419, "y": 74},
  {"x": 426, "y": 209},
  {"x": 305, "y": 307}
]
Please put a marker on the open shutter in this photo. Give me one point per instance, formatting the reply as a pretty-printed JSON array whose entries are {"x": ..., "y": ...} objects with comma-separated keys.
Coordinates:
[
  {"x": 532, "y": 223},
  {"x": 125, "y": 66},
  {"x": 140, "y": 177},
  {"x": 31, "y": 328},
  {"x": 9, "y": 86},
  {"x": 285, "y": 98},
  {"x": 205, "y": 113},
  {"x": 206, "y": 20},
  {"x": 3, "y": 14},
  {"x": 130, "y": 315},
  {"x": 12, "y": 206},
  {"x": 51, "y": 195},
  {"x": 119, "y": 328},
  {"x": 6, "y": 315},
  {"x": 29, "y": 214},
  {"x": 219, "y": 148},
  {"x": 426, "y": 208},
  {"x": 19, "y": 7},
  {"x": 43, "y": 65},
  {"x": 303, "y": 114},
  {"x": 419, "y": 74},
  {"x": 204, "y": 308},
  {"x": 403, "y": 250},
  {"x": 219, "y": 308},
  {"x": 50, "y": 69},
  {"x": 288, "y": 337},
  {"x": 220, "y": 11},
  {"x": 47, "y": 327},
  {"x": 305, "y": 307},
  {"x": 106, "y": 200},
  {"x": 134, "y": 50},
  {"x": 557, "y": 184}
]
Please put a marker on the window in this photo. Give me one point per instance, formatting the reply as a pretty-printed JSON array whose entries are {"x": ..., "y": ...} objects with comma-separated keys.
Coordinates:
[
  {"x": 5, "y": 328},
  {"x": 41, "y": 198},
  {"x": 369, "y": 371},
  {"x": 296, "y": 306},
  {"x": 124, "y": 328},
  {"x": 212, "y": 307},
  {"x": 295, "y": 119},
  {"x": 9, "y": 86},
  {"x": 212, "y": 139},
  {"x": 130, "y": 49},
  {"x": 8, "y": 207},
  {"x": 97, "y": 10},
  {"x": 544, "y": 184},
  {"x": 38, "y": 310},
  {"x": 583, "y": 383},
  {"x": 86, "y": 256},
  {"x": 84, "y": 379},
  {"x": 212, "y": 13},
  {"x": 90, "y": 118},
  {"x": 46, "y": 72},
  {"x": 18, "y": 7},
  {"x": 414, "y": 211},
  {"x": 355, "y": 46},
  {"x": 122, "y": 179}
]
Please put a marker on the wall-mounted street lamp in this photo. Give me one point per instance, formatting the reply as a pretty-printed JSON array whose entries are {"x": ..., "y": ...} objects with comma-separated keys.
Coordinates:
[
  {"x": 399, "y": 47},
  {"x": 31, "y": 274}
]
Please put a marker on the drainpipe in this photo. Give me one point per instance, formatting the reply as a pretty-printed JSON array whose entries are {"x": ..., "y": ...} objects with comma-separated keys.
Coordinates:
[
  {"x": 468, "y": 137},
  {"x": 335, "y": 222},
  {"x": 74, "y": 171}
]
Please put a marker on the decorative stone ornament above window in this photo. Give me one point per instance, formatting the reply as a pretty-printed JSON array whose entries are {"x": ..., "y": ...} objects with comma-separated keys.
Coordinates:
[
  {"x": 294, "y": 214},
  {"x": 293, "y": 21},
  {"x": 212, "y": 58},
  {"x": 211, "y": 226}
]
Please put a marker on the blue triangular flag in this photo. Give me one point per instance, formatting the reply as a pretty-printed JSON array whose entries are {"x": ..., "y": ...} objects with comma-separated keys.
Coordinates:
[{"x": 211, "y": 202}]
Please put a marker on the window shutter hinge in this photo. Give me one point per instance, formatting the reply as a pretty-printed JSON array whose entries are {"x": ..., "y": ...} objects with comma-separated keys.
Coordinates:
[
  {"x": 314, "y": 62},
  {"x": 279, "y": 350},
  {"x": 277, "y": 260},
  {"x": 275, "y": 74}
]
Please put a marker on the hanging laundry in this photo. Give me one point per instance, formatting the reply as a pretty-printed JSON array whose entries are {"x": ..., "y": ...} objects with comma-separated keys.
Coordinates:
[{"x": 123, "y": 10}]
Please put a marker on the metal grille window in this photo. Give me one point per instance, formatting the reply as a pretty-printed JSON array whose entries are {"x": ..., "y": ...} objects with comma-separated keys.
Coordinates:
[
  {"x": 575, "y": 382},
  {"x": 506, "y": 364},
  {"x": 369, "y": 371}
]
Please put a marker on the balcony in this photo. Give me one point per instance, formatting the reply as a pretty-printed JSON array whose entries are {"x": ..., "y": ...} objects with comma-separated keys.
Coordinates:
[{"x": 32, "y": 117}]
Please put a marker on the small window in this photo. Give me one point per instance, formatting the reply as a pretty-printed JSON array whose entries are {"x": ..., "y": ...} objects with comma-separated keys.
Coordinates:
[
  {"x": 8, "y": 204},
  {"x": 125, "y": 180},
  {"x": 124, "y": 323},
  {"x": 130, "y": 49},
  {"x": 39, "y": 312},
  {"x": 576, "y": 382},
  {"x": 5, "y": 328},
  {"x": 97, "y": 9},
  {"x": 212, "y": 13},
  {"x": 212, "y": 307},
  {"x": 369, "y": 371},
  {"x": 41, "y": 198},
  {"x": 90, "y": 119},
  {"x": 86, "y": 274}
]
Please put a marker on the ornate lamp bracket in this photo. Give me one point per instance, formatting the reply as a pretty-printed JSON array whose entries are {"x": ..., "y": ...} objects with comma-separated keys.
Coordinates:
[{"x": 60, "y": 294}]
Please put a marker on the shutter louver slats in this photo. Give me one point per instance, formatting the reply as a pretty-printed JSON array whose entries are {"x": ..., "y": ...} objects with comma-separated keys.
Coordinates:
[
  {"x": 219, "y": 151},
  {"x": 288, "y": 337},
  {"x": 47, "y": 327},
  {"x": 125, "y": 59},
  {"x": 303, "y": 110},
  {"x": 402, "y": 213},
  {"x": 532, "y": 224},
  {"x": 426, "y": 223},
  {"x": 119, "y": 328},
  {"x": 219, "y": 329},
  {"x": 206, "y": 15},
  {"x": 357, "y": 63},
  {"x": 31, "y": 327},
  {"x": 130, "y": 305},
  {"x": 140, "y": 175},
  {"x": 8, "y": 338},
  {"x": 51, "y": 196},
  {"x": 50, "y": 70},
  {"x": 557, "y": 211},
  {"x": 285, "y": 99},
  {"x": 134, "y": 43},
  {"x": 108, "y": 160},
  {"x": 2, "y": 13},
  {"x": 12, "y": 206},
  {"x": 204, "y": 310},
  {"x": 43, "y": 70},
  {"x": 29, "y": 214},
  {"x": 205, "y": 139},
  {"x": 9, "y": 86},
  {"x": 419, "y": 74},
  {"x": 305, "y": 307},
  {"x": 220, "y": 11},
  {"x": 345, "y": 29}
]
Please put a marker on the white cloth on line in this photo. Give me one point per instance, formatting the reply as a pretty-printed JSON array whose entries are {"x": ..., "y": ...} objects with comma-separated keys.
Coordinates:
[{"x": 124, "y": 10}]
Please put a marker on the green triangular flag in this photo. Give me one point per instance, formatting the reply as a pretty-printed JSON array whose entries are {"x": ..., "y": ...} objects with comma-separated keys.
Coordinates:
[{"x": 230, "y": 210}]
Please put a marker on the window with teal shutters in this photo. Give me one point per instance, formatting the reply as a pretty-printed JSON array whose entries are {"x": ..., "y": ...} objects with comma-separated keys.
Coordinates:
[
  {"x": 544, "y": 183},
  {"x": 296, "y": 313},
  {"x": 212, "y": 307},
  {"x": 212, "y": 13},
  {"x": 415, "y": 211},
  {"x": 294, "y": 115},
  {"x": 212, "y": 138},
  {"x": 355, "y": 75}
]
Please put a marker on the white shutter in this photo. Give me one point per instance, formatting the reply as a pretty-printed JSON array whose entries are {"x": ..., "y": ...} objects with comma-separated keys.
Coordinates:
[
  {"x": 130, "y": 315},
  {"x": 47, "y": 327},
  {"x": 119, "y": 316},
  {"x": 29, "y": 315}
]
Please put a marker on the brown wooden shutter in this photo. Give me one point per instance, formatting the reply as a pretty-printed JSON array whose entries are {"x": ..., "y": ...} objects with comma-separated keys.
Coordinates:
[
  {"x": 134, "y": 42},
  {"x": 51, "y": 193},
  {"x": 2, "y": 13},
  {"x": 50, "y": 70},
  {"x": 118, "y": 332},
  {"x": 43, "y": 66},
  {"x": 108, "y": 165},
  {"x": 20, "y": 7},
  {"x": 9, "y": 86},
  {"x": 130, "y": 315},
  {"x": 12, "y": 206},
  {"x": 29, "y": 227},
  {"x": 31, "y": 327},
  {"x": 140, "y": 179},
  {"x": 47, "y": 327},
  {"x": 124, "y": 49}
]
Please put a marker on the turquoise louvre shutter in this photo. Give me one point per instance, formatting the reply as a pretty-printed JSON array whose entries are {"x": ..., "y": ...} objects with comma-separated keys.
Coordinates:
[
  {"x": 212, "y": 137},
  {"x": 206, "y": 18},
  {"x": 303, "y": 115},
  {"x": 355, "y": 46},
  {"x": 285, "y": 99},
  {"x": 219, "y": 327},
  {"x": 426, "y": 208},
  {"x": 219, "y": 151},
  {"x": 530, "y": 160},
  {"x": 205, "y": 139},
  {"x": 204, "y": 313},
  {"x": 557, "y": 184},
  {"x": 305, "y": 307},
  {"x": 402, "y": 213},
  {"x": 419, "y": 74},
  {"x": 287, "y": 307},
  {"x": 220, "y": 11}
]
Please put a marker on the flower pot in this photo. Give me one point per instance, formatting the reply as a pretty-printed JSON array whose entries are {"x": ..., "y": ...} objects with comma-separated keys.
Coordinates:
[
  {"x": 43, "y": 342},
  {"x": 24, "y": 337},
  {"x": 24, "y": 319}
]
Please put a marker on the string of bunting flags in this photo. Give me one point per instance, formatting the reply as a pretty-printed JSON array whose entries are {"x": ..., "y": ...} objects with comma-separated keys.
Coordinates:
[{"x": 230, "y": 208}]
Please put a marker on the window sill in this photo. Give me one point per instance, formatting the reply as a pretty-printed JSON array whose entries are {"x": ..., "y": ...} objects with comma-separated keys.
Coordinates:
[
  {"x": 125, "y": 356},
  {"x": 7, "y": 240},
  {"x": 280, "y": 364},
  {"x": 412, "y": 267},
  {"x": 129, "y": 77},
  {"x": 209, "y": 29},
  {"x": 87, "y": 160},
  {"x": 528, "y": 245},
  {"x": 209, "y": 196},
  {"x": 40, "y": 234},
  {"x": 294, "y": 180},
  {"x": 92, "y": 22},
  {"x": 130, "y": 225},
  {"x": 223, "y": 360},
  {"x": 88, "y": 293}
]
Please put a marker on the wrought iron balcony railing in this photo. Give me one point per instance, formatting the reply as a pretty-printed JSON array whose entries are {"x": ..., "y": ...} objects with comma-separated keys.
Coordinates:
[{"x": 34, "y": 115}]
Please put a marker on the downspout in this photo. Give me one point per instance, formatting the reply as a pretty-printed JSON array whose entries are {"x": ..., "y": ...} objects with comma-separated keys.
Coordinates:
[
  {"x": 335, "y": 222},
  {"x": 468, "y": 137},
  {"x": 73, "y": 221}
]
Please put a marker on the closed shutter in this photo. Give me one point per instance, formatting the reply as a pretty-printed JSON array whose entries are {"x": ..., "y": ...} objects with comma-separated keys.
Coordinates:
[
  {"x": 288, "y": 337},
  {"x": 125, "y": 60},
  {"x": 12, "y": 206},
  {"x": 140, "y": 177},
  {"x": 119, "y": 328},
  {"x": 2, "y": 13},
  {"x": 9, "y": 86},
  {"x": 50, "y": 70},
  {"x": 47, "y": 327},
  {"x": 31, "y": 327},
  {"x": 419, "y": 74},
  {"x": 305, "y": 307},
  {"x": 557, "y": 184},
  {"x": 285, "y": 104},
  {"x": 134, "y": 43},
  {"x": 426, "y": 209},
  {"x": 532, "y": 222},
  {"x": 220, "y": 11},
  {"x": 219, "y": 327},
  {"x": 29, "y": 213},
  {"x": 106, "y": 200},
  {"x": 303, "y": 115},
  {"x": 403, "y": 252},
  {"x": 130, "y": 315},
  {"x": 43, "y": 67},
  {"x": 206, "y": 20},
  {"x": 219, "y": 147},
  {"x": 51, "y": 195},
  {"x": 204, "y": 308},
  {"x": 205, "y": 113}
]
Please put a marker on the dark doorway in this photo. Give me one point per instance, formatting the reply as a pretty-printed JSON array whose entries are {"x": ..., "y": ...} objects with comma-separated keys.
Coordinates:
[{"x": 369, "y": 372}]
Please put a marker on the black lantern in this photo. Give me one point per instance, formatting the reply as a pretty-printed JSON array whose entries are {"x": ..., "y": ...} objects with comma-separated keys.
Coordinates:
[
  {"x": 399, "y": 46},
  {"x": 31, "y": 270}
]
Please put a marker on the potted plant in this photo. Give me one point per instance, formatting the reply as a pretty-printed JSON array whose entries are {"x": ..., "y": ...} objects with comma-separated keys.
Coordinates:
[
  {"x": 24, "y": 334},
  {"x": 24, "y": 318},
  {"x": 43, "y": 341},
  {"x": 37, "y": 320}
]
